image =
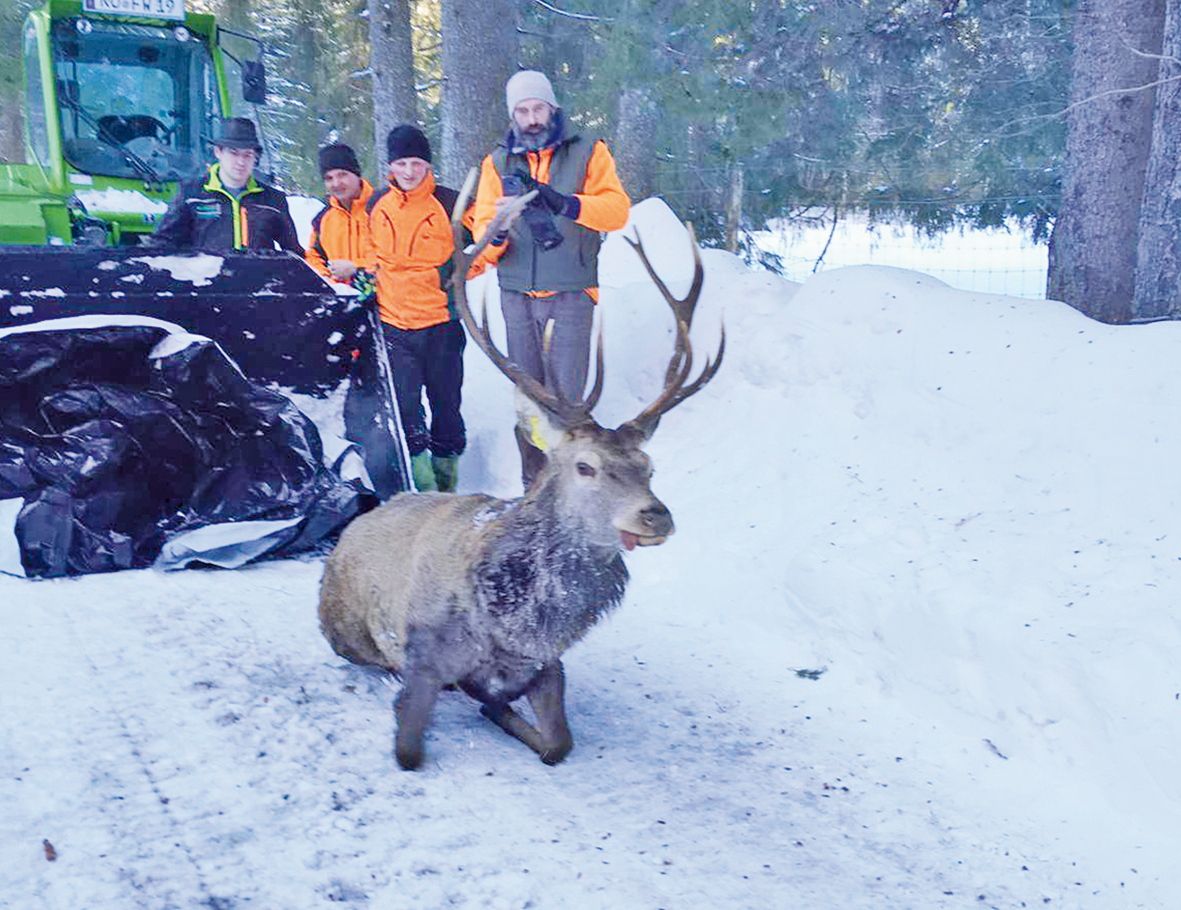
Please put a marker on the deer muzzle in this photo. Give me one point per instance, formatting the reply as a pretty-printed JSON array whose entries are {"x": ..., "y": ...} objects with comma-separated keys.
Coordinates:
[{"x": 653, "y": 525}]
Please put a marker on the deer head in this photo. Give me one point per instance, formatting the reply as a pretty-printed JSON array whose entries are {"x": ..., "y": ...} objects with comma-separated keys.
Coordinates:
[{"x": 599, "y": 477}]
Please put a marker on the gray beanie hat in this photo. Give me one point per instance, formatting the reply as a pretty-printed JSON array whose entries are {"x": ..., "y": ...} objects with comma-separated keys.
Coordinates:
[{"x": 528, "y": 84}]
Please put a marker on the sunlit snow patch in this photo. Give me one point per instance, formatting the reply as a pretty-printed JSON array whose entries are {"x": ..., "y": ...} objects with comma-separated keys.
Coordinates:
[
  {"x": 10, "y": 551},
  {"x": 200, "y": 269},
  {"x": 122, "y": 201},
  {"x": 103, "y": 320}
]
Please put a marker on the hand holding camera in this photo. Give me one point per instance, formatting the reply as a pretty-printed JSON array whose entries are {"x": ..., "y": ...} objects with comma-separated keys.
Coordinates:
[
  {"x": 539, "y": 215},
  {"x": 558, "y": 203}
]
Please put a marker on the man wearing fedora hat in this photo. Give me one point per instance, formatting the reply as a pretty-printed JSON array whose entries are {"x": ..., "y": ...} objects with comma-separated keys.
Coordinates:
[{"x": 229, "y": 208}]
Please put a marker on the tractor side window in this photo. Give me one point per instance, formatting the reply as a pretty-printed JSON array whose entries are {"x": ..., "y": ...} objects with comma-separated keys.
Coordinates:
[{"x": 38, "y": 125}]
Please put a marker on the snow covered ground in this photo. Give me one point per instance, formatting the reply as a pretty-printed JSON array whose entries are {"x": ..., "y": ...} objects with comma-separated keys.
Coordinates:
[{"x": 914, "y": 645}]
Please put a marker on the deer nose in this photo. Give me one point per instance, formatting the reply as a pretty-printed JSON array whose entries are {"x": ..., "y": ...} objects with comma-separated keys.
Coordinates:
[{"x": 657, "y": 519}]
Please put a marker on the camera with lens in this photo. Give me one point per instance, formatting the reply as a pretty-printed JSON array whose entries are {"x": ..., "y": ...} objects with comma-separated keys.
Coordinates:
[{"x": 536, "y": 216}]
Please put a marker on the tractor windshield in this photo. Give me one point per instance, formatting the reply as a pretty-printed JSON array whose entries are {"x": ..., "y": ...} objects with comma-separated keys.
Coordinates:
[{"x": 135, "y": 100}]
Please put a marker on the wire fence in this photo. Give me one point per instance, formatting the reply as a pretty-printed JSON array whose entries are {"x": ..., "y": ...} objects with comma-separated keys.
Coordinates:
[{"x": 990, "y": 261}]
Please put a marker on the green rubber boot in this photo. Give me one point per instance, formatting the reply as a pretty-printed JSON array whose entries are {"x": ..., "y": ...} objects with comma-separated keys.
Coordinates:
[
  {"x": 423, "y": 473},
  {"x": 446, "y": 472}
]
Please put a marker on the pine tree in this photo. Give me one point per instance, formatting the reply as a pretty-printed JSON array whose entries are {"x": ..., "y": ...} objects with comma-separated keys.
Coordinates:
[
  {"x": 1093, "y": 248},
  {"x": 479, "y": 54},
  {"x": 391, "y": 67},
  {"x": 1158, "y": 262}
]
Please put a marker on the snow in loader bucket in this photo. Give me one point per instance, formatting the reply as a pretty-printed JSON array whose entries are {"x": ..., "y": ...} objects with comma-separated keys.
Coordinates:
[{"x": 128, "y": 437}]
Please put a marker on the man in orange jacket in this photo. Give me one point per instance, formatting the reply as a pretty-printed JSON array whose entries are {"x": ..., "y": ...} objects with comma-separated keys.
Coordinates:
[
  {"x": 547, "y": 262},
  {"x": 410, "y": 229},
  {"x": 339, "y": 240}
]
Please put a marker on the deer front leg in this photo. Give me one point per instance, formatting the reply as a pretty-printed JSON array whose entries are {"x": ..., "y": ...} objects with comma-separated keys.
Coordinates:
[
  {"x": 548, "y": 698},
  {"x": 551, "y": 738},
  {"x": 513, "y": 724},
  {"x": 412, "y": 710}
]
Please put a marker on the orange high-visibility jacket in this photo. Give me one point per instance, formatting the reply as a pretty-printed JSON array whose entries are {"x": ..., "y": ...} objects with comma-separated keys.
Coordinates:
[
  {"x": 338, "y": 233},
  {"x": 410, "y": 233},
  {"x": 604, "y": 204}
]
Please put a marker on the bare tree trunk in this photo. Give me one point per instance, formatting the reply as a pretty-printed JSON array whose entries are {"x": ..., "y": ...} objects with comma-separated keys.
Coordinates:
[
  {"x": 1093, "y": 247},
  {"x": 635, "y": 142},
  {"x": 479, "y": 54},
  {"x": 392, "y": 64},
  {"x": 235, "y": 14},
  {"x": 734, "y": 205},
  {"x": 308, "y": 77},
  {"x": 1158, "y": 263}
]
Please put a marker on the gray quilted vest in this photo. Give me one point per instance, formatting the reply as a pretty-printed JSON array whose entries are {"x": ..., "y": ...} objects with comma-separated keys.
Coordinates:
[{"x": 574, "y": 264}]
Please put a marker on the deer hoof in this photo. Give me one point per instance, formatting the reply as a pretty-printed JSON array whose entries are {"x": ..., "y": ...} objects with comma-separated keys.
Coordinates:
[
  {"x": 556, "y": 754},
  {"x": 409, "y": 755}
]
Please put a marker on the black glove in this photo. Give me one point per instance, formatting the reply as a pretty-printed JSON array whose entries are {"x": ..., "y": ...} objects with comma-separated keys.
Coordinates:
[{"x": 558, "y": 203}]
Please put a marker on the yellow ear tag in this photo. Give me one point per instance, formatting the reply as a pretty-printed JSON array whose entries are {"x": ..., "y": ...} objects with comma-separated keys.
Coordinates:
[{"x": 530, "y": 418}]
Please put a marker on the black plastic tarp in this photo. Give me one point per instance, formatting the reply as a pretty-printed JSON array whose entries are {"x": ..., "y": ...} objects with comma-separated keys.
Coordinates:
[
  {"x": 126, "y": 445},
  {"x": 274, "y": 316}
]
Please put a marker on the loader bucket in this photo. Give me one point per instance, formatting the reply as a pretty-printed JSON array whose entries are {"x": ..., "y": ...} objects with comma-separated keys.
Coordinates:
[{"x": 277, "y": 319}]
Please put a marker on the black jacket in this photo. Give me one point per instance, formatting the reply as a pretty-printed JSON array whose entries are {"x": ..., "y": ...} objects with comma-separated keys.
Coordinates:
[{"x": 205, "y": 216}]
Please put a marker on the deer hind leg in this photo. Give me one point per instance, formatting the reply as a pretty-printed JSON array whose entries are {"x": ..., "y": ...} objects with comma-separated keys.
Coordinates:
[
  {"x": 413, "y": 713},
  {"x": 550, "y": 739}
]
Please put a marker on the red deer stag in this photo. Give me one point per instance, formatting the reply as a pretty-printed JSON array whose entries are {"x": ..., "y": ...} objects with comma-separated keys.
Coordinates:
[{"x": 485, "y": 594}]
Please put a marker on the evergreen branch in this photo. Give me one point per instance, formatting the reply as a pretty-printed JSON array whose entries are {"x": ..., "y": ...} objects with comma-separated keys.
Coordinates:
[
  {"x": 1136, "y": 52},
  {"x": 828, "y": 242},
  {"x": 585, "y": 17},
  {"x": 1082, "y": 101}
]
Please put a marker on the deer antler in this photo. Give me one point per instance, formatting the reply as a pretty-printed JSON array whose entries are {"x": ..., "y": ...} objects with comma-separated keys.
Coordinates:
[
  {"x": 567, "y": 413},
  {"x": 681, "y": 364}
]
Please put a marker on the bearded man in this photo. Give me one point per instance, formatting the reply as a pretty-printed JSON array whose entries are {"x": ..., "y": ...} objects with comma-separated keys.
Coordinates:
[{"x": 547, "y": 260}]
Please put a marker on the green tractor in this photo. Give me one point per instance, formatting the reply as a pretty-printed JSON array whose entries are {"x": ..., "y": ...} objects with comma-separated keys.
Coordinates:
[{"x": 120, "y": 98}]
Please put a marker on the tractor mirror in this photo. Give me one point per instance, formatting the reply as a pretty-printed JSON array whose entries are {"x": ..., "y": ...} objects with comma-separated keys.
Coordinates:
[{"x": 254, "y": 82}]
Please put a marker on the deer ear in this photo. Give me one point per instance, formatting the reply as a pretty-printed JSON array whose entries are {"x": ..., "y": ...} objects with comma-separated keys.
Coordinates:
[
  {"x": 634, "y": 433},
  {"x": 542, "y": 430}
]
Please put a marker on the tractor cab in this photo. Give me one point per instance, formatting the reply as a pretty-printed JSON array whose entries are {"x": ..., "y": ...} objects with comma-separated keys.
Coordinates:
[
  {"x": 119, "y": 101},
  {"x": 133, "y": 100}
]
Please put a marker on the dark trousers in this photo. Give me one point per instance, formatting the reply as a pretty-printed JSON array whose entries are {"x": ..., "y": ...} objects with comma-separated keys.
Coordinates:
[{"x": 430, "y": 359}]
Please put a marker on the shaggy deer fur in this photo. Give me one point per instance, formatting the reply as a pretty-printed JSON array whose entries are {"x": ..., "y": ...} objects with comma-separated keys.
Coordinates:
[{"x": 485, "y": 594}]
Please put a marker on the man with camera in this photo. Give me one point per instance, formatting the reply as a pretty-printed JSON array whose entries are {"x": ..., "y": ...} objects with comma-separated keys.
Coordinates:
[{"x": 547, "y": 261}]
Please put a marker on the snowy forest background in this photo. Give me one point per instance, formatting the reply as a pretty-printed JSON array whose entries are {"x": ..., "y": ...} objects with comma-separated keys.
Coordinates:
[{"x": 1050, "y": 117}]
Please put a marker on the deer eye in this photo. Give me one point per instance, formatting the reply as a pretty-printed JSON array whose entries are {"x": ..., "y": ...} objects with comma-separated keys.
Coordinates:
[{"x": 585, "y": 469}]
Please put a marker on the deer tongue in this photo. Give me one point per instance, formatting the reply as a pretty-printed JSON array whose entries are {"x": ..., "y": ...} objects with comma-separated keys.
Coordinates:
[{"x": 629, "y": 539}]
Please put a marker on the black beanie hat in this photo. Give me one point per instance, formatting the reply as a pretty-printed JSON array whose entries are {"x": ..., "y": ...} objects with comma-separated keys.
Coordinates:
[
  {"x": 339, "y": 156},
  {"x": 407, "y": 141}
]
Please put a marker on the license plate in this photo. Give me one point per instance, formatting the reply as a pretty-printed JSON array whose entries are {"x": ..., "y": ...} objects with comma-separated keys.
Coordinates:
[{"x": 154, "y": 9}]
